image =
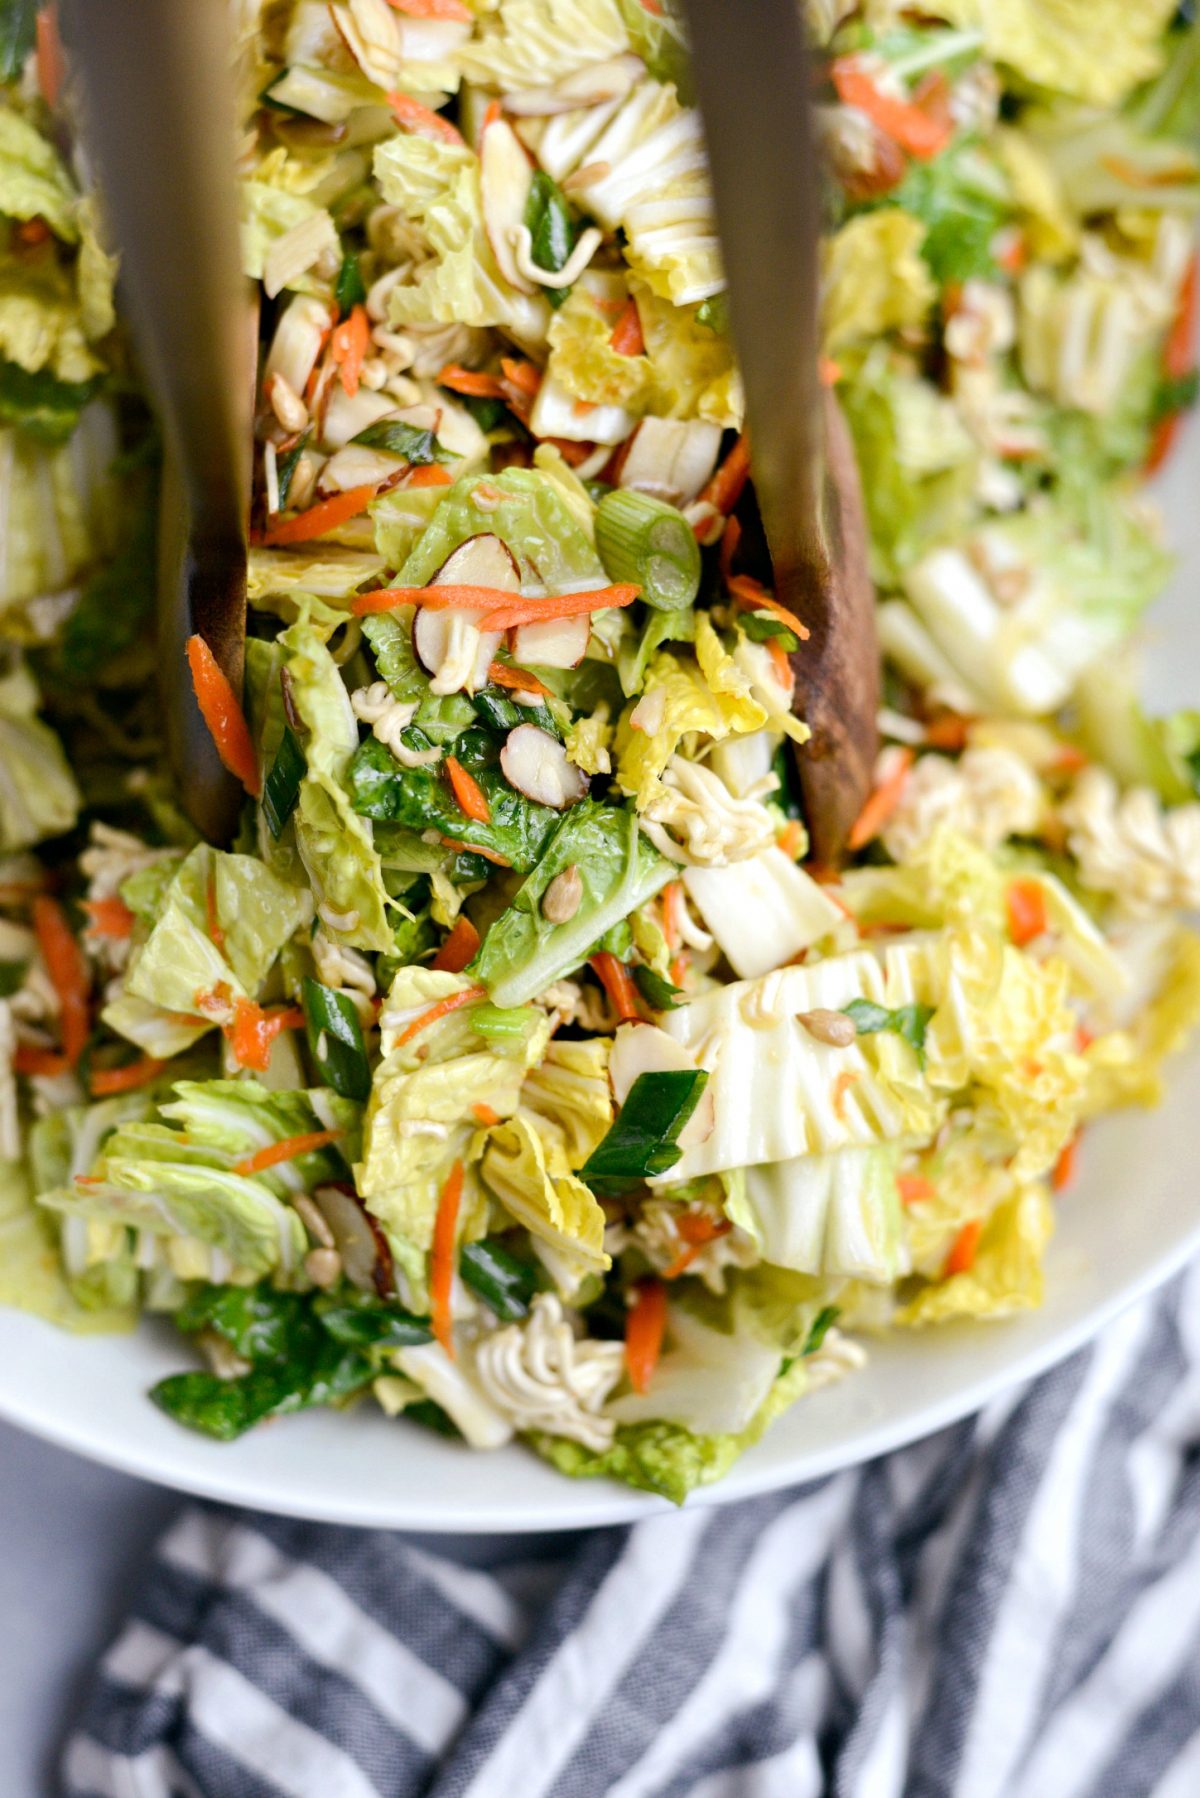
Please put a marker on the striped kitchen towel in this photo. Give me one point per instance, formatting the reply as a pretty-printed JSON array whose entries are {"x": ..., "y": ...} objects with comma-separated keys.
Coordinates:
[{"x": 1010, "y": 1609}]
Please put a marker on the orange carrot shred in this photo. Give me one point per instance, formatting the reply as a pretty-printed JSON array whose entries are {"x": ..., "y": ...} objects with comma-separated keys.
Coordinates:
[
  {"x": 841, "y": 1087},
  {"x": 411, "y": 116},
  {"x": 489, "y": 855},
  {"x": 468, "y": 793},
  {"x": 881, "y": 803},
  {"x": 458, "y": 949},
  {"x": 29, "y": 1059},
  {"x": 223, "y": 715},
  {"x": 108, "y": 917},
  {"x": 254, "y": 1030},
  {"x": 645, "y": 1327},
  {"x": 434, "y": 9},
  {"x": 963, "y": 1250},
  {"x": 752, "y": 595},
  {"x": 913, "y": 1188},
  {"x": 725, "y": 488},
  {"x": 519, "y": 680},
  {"x": 522, "y": 375},
  {"x": 49, "y": 55},
  {"x": 68, "y": 971},
  {"x": 349, "y": 345},
  {"x": 470, "y": 995},
  {"x": 784, "y": 672},
  {"x": 617, "y": 982},
  {"x": 212, "y": 922},
  {"x": 441, "y": 1263},
  {"x": 672, "y": 905},
  {"x": 519, "y": 611},
  {"x": 471, "y": 381},
  {"x": 919, "y": 132},
  {"x": 286, "y": 1150},
  {"x": 1066, "y": 1165},
  {"x": 791, "y": 838},
  {"x": 428, "y": 474},
  {"x": 127, "y": 1079},
  {"x": 483, "y": 1114},
  {"x": 1025, "y": 904},
  {"x": 627, "y": 338},
  {"x": 327, "y": 515}
]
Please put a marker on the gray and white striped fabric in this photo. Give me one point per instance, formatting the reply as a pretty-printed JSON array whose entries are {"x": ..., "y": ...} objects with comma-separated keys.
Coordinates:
[{"x": 1010, "y": 1609}]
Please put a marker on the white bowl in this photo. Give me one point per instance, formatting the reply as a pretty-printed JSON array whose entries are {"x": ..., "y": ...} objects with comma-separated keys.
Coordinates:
[{"x": 1132, "y": 1219}]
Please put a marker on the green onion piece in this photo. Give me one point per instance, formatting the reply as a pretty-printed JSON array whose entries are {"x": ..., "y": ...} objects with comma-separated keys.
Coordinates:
[
  {"x": 285, "y": 468},
  {"x": 645, "y": 1138},
  {"x": 713, "y": 313},
  {"x": 419, "y": 447},
  {"x": 907, "y": 1021},
  {"x": 281, "y": 789},
  {"x": 349, "y": 289},
  {"x": 502, "y": 1022},
  {"x": 489, "y": 414},
  {"x": 497, "y": 711},
  {"x": 430, "y": 1415},
  {"x": 644, "y": 540},
  {"x": 503, "y": 1281},
  {"x": 761, "y": 626},
  {"x": 821, "y": 1325},
  {"x": 658, "y": 993},
  {"x": 335, "y": 1040},
  {"x": 12, "y": 977},
  {"x": 362, "y": 1322},
  {"x": 551, "y": 228}
]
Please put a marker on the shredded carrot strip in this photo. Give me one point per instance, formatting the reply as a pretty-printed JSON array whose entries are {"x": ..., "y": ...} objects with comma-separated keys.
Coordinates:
[
  {"x": 963, "y": 1250},
  {"x": 1014, "y": 252},
  {"x": 518, "y": 611},
  {"x": 434, "y": 9},
  {"x": 349, "y": 345},
  {"x": 468, "y": 793},
  {"x": 697, "y": 1232},
  {"x": 791, "y": 838},
  {"x": 428, "y": 474},
  {"x": 947, "y": 731},
  {"x": 672, "y": 906},
  {"x": 841, "y": 1087},
  {"x": 438, "y": 599},
  {"x": 286, "y": 1150},
  {"x": 1068, "y": 759},
  {"x": 411, "y": 116},
  {"x": 492, "y": 112},
  {"x": 30, "y": 1060},
  {"x": 618, "y": 983},
  {"x": 1178, "y": 355},
  {"x": 223, "y": 715},
  {"x": 68, "y": 971},
  {"x": 784, "y": 672},
  {"x": 678, "y": 968},
  {"x": 254, "y": 1030},
  {"x": 829, "y": 372},
  {"x": 519, "y": 680},
  {"x": 483, "y": 1114},
  {"x": 327, "y": 515},
  {"x": 108, "y": 917},
  {"x": 645, "y": 1327},
  {"x": 627, "y": 338},
  {"x": 753, "y": 596},
  {"x": 1066, "y": 1165},
  {"x": 107, "y": 1081},
  {"x": 725, "y": 488},
  {"x": 32, "y": 232},
  {"x": 212, "y": 922},
  {"x": 458, "y": 949},
  {"x": 489, "y": 855},
  {"x": 441, "y": 1263},
  {"x": 522, "y": 375},
  {"x": 471, "y": 381},
  {"x": 913, "y": 1188},
  {"x": 906, "y": 123},
  {"x": 214, "y": 1004},
  {"x": 881, "y": 803},
  {"x": 731, "y": 538},
  {"x": 470, "y": 995},
  {"x": 1025, "y": 904},
  {"x": 49, "y": 55}
]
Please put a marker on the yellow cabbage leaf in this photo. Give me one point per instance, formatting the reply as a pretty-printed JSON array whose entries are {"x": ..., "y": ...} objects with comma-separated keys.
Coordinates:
[
  {"x": 526, "y": 1168},
  {"x": 874, "y": 278},
  {"x": 679, "y": 698},
  {"x": 1006, "y": 1274}
]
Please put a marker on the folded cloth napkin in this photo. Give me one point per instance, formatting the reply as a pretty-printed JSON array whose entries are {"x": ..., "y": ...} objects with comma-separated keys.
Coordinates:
[{"x": 1009, "y": 1609}]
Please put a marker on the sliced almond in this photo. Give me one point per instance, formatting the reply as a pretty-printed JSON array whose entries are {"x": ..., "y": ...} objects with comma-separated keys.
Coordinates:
[
  {"x": 483, "y": 561},
  {"x": 559, "y": 643},
  {"x": 452, "y": 649},
  {"x": 358, "y": 1238},
  {"x": 536, "y": 764},
  {"x": 297, "y": 341},
  {"x": 505, "y": 177}
]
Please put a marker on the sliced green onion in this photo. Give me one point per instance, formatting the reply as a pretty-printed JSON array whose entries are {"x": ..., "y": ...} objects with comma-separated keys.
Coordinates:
[
  {"x": 713, "y": 313},
  {"x": 907, "y": 1021},
  {"x": 361, "y": 1322},
  {"x": 335, "y": 1040},
  {"x": 644, "y": 540},
  {"x": 349, "y": 290},
  {"x": 503, "y": 1281},
  {"x": 502, "y": 1022},
  {"x": 392, "y": 435},
  {"x": 658, "y": 993},
  {"x": 760, "y": 627},
  {"x": 281, "y": 789},
  {"x": 285, "y": 468},
  {"x": 644, "y": 1141},
  {"x": 551, "y": 228}
]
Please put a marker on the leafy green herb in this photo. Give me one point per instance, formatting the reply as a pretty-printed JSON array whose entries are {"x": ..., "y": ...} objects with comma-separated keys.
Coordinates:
[
  {"x": 501, "y": 714},
  {"x": 644, "y": 1140},
  {"x": 359, "y": 1321},
  {"x": 658, "y": 993},
  {"x": 256, "y": 1321},
  {"x": 787, "y": 794},
  {"x": 285, "y": 468},
  {"x": 12, "y": 975},
  {"x": 18, "y": 25},
  {"x": 504, "y": 1281},
  {"x": 281, "y": 789},
  {"x": 548, "y": 218},
  {"x": 489, "y": 414},
  {"x": 349, "y": 290},
  {"x": 713, "y": 313},
  {"x": 907, "y": 1021},
  {"x": 954, "y": 198},
  {"x": 335, "y": 1040},
  {"x": 395, "y": 438},
  {"x": 430, "y": 1415},
  {"x": 1174, "y": 394},
  {"x": 821, "y": 1325},
  {"x": 40, "y": 404},
  {"x": 420, "y": 798},
  {"x": 760, "y": 627}
]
